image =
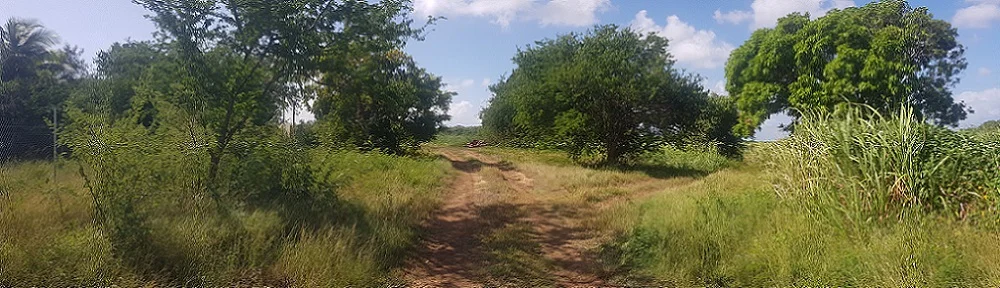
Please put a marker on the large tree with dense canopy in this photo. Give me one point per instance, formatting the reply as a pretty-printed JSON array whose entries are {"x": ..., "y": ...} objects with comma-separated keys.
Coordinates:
[
  {"x": 885, "y": 54},
  {"x": 611, "y": 92}
]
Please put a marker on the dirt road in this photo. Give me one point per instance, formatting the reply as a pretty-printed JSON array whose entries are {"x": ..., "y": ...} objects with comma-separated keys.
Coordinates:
[{"x": 492, "y": 230}]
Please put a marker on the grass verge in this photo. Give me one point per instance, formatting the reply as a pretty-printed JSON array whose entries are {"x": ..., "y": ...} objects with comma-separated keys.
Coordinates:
[{"x": 49, "y": 235}]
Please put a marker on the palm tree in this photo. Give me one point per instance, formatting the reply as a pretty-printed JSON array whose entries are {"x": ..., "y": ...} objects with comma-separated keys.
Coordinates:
[
  {"x": 25, "y": 59},
  {"x": 25, "y": 44}
]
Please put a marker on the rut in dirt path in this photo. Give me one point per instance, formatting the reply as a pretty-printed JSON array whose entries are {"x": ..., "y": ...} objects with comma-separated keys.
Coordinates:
[{"x": 492, "y": 231}]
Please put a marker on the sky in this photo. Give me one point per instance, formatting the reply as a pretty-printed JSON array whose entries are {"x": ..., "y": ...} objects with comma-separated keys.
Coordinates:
[{"x": 473, "y": 46}]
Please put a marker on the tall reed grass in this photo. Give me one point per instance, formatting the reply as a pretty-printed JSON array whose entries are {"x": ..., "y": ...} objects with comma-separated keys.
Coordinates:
[{"x": 865, "y": 166}]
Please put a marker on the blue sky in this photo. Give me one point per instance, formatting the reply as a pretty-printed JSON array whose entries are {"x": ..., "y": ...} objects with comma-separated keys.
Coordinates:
[{"x": 473, "y": 46}]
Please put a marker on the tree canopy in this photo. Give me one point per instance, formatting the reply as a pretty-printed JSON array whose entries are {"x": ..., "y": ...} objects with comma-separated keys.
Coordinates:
[
  {"x": 611, "y": 92},
  {"x": 384, "y": 102},
  {"x": 233, "y": 65},
  {"x": 35, "y": 78},
  {"x": 884, "y": 54}
]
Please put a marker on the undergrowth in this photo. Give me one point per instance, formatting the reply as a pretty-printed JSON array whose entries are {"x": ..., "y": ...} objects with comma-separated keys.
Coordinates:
[
  {"x": 848, "y": 200},
  {"x": 287, "y": 216}
]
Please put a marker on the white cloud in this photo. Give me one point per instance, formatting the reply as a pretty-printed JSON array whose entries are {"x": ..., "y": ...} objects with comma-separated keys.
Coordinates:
[
  {"x": 983, "y": 71},
  {"x": 471, "y": 96},
  {"x": 719, "y": 88},
  {"x": 765, "y": 13},
  {"x": 699, "y": 48},
  {"x": 503, "y": 12},
  {"x": 985, "y": 104},
  {"x": 463, "y": 113},
  {"x": 980, "y": 15},
  {"x": 572, "y": 12},
  {"x": 734, "y": 17},
  {"x": 486, "y": 82}
]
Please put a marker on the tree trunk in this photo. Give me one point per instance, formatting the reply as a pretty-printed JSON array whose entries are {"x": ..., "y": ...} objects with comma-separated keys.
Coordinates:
[
  {"x": 614, "y": 153},
  {"x": 213, "y": 173},
  {"x": 213, "y": 168}
]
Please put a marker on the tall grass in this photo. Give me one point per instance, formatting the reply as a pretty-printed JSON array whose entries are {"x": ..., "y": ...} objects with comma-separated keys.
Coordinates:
[
  {"x": 348, "y": 224},
  {"x": 865, "y": 166},
  {"x": 850, "y": 199},
  {"x": 729, "y": 229}
]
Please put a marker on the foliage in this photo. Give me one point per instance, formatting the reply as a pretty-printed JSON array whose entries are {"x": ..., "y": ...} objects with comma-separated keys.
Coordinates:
[
  {"x": 48, "y": 238},
  {"x": 863, "y": 166},
  {"x": 383, "y": 101},
  {"x": 123, "y": 68},
  {"x": 182, "y": 168},
  {"x": 34, "y": 80},
  {"x": 715, "y": 127},
  {"x": 233, "y": 63},
  {"x": 729, "y": 229},
  {"x": 884, "y": 54},
  {"x": 573, "y": 88},
  {"x": 459, "y": 135},
  {"x": 26, "y": 43},
  {"x": 992, "y": 126}
]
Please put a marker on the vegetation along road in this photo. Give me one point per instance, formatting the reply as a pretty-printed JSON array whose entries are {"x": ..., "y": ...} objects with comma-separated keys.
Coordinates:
[{"x": 601, "y": 160}]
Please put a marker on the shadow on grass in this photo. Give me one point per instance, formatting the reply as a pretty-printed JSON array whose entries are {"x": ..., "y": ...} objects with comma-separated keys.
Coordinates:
[
  {"x": 651, "y": 170},
  {"x": 658, "y": 171},
  {"x": 474, "y": 165}
]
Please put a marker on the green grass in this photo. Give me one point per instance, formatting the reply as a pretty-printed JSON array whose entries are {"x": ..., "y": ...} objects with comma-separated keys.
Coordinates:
[
  {"x": 730, "y": 229},
  {"x": 819, "y": 210},
  {"x": 49, "y": 237},
  {"x": 869, "y": 167},
  {"x": 815, "y": 210},
  {"x": 458, "y": 135}
]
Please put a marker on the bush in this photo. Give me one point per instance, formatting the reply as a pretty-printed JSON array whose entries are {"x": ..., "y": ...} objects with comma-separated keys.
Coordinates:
[{"x": 269, "y": 218}]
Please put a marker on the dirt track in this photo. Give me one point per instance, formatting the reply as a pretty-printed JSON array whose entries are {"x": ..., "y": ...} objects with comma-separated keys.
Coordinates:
[{"x": 540, "y": 244}]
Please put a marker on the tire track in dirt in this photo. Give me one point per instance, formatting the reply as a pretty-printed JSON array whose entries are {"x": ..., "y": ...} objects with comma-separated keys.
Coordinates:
[
  {"x": 449, "y": 254},
  {"x": 455, "y": 252}
]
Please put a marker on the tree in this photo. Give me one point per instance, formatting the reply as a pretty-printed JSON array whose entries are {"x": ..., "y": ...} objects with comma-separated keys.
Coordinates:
[
  {"x": 123, "y": 68},
  {"x": 231, "y": 60},
  {"x": 383, "y": 101},
  {"x": 987, "y": 127},
  {"x": 610, "y": 92},
  {"x": 885, "y": 54},
  {"x": 25, "y": 46},
  {"x": 35, "y": 79}
]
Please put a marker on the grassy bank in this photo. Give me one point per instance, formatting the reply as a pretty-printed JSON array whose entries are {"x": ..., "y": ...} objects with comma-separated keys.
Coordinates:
[
  {"x": 730, "y": 229},
  {"x": 49, "y": 235},
  {"x": 846, "y": 201}
]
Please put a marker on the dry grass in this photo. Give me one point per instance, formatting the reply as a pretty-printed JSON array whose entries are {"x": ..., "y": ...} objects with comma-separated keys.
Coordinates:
[{"x": 48, "y": 235}]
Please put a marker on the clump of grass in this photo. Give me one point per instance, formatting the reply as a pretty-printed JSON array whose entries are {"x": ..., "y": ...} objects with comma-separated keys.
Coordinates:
[
  {"x": 512, "y": 256},
  {"x": 329, "y": 258},
  {"x": 46, "y": 237},
  {"x": 865, "y": 166},
  {"x": 693, "y": 159}
]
